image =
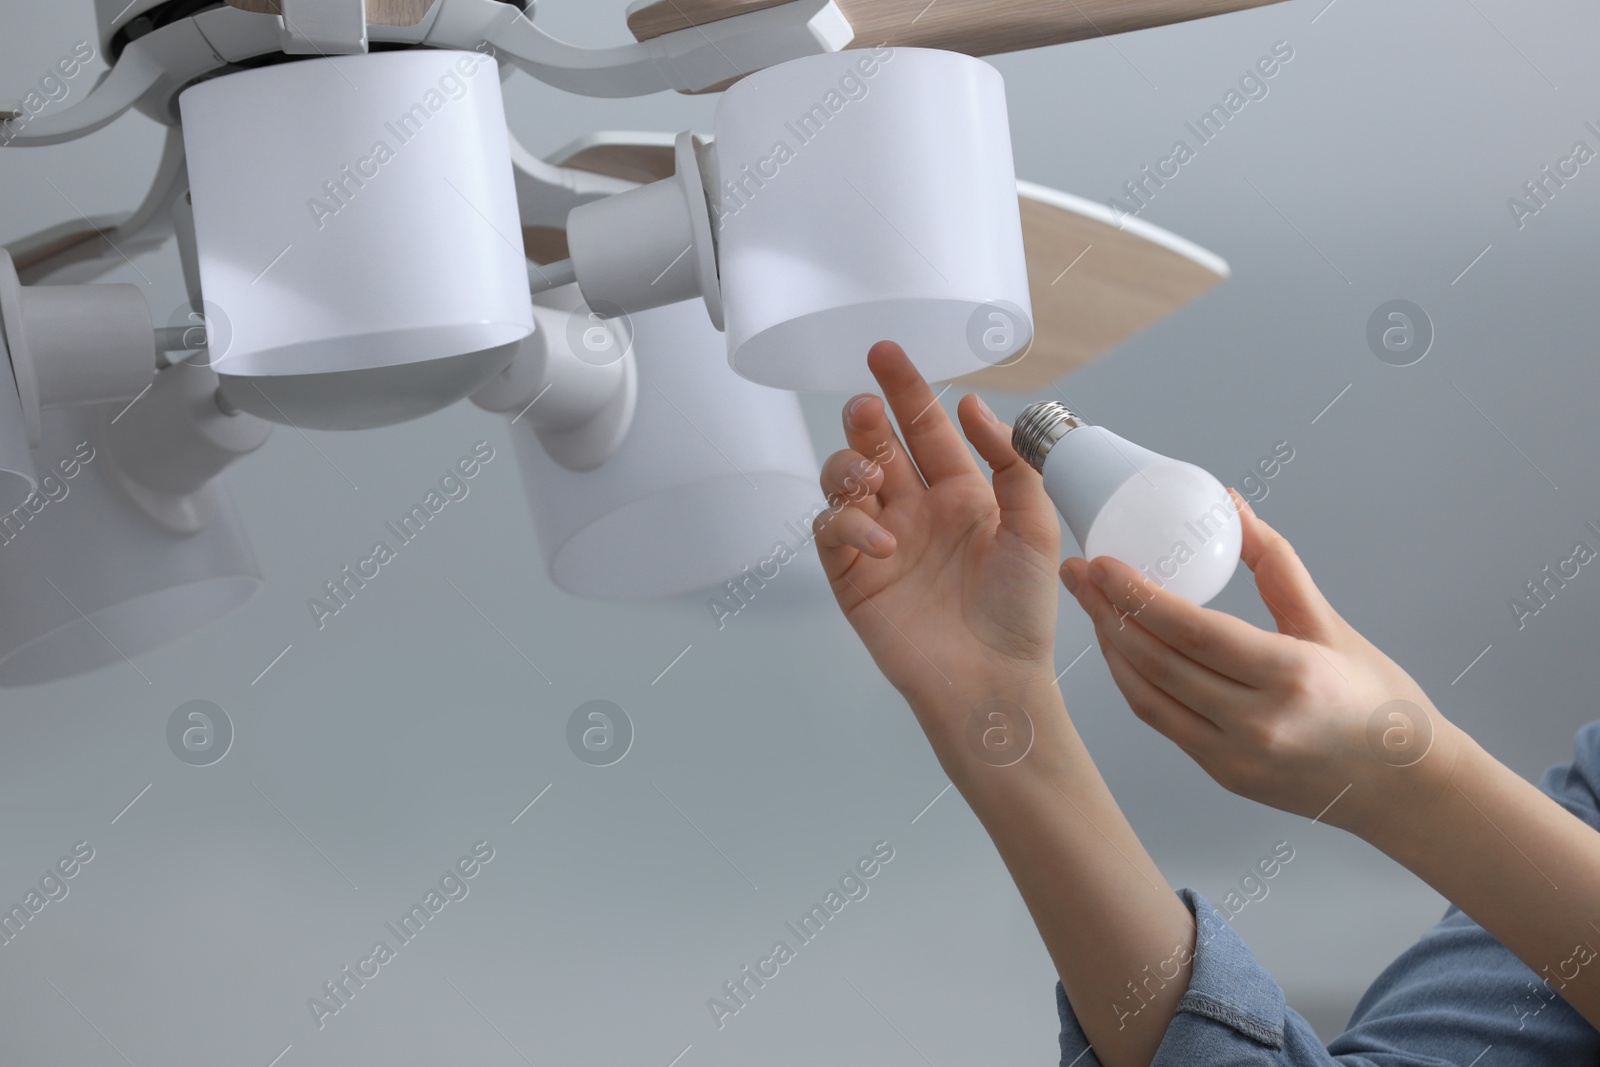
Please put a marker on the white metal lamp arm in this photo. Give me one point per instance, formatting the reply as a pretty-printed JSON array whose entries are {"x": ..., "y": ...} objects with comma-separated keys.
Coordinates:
[
  {"x": 73, "y": 344},
  {"x": 75, "y": 252},
  {"x": 546, "y": 192},
  {"x": 689, "y": 60},
  {"x": 154, "y": 68},
  {"x": 586, "y": 366},
  {"x": 167, "y": 59}
]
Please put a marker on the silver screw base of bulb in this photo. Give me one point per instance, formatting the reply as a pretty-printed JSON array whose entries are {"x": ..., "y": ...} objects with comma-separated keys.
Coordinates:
[{"x": 1039, "y": 427}]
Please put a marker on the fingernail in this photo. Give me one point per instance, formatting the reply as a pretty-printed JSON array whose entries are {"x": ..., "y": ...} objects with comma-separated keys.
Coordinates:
[
  {"x": 1099, "y": 574},
  {"x": 877, "y": 536},
  {"x": 854, "y": 406},
  {"x": 983, "y": 409},
  {"x": 1069, "y": 579}
]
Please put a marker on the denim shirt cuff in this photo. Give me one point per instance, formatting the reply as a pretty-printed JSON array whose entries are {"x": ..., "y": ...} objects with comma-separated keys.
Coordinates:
[{"x": 1226, "y": 986}]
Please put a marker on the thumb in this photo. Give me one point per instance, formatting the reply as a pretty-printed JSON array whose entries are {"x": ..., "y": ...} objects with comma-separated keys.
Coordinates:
[
  {"x": 1286, "y": 588},
  {"x": 1025, "y": 508}
]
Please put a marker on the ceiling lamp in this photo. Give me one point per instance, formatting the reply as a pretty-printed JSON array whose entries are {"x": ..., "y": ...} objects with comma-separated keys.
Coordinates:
[
  {"x": 134, "y": 545},
  {"x": 714, "y": 474},
  {"x": 62, "y": 345},
  {"x": 862, "y": 196},
  {"x": 368, "y": 244},
  {"x": 356, "y": 220},
  {"x": 1095, "y": 279},
  {"x": 846, "y": 198}
]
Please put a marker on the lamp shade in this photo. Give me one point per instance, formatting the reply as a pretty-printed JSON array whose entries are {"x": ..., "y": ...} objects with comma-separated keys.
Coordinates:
[
  {"x": 89, "y": 578},
  {"x": 868, "y": 195},
  {"x": 356, "y": 221},
  {"x": 714, "y": 473}
]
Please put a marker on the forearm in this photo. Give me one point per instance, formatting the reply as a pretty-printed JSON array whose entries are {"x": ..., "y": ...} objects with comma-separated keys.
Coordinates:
[
  {"x": 1121, "y": 939},
  {"x": 1512, "y": 859}
]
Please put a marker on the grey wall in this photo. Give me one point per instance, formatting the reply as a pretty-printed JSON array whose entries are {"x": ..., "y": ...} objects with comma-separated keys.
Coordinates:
[{"x": 771, "y": 756}]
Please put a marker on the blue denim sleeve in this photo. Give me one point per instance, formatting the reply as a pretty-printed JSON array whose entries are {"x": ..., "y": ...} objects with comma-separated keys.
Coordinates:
[{"x": 1447, "y": 1001}]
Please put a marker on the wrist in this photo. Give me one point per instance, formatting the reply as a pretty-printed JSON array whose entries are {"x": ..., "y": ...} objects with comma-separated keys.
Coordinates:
[
  {"x": 941, "y": 707},
  {"x": 1014, "y": 724},
  {"x": 1403, "y": 801}
]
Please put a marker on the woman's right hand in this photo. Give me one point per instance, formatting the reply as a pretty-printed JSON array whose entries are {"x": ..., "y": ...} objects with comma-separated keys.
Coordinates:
[{"x": 1313, "y": 719}]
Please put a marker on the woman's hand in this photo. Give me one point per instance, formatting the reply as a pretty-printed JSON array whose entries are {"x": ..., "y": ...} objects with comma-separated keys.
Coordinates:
[
  {"x": 1313, "y": 719},
  {"x": 947, "y": 583},
  {"x": 950, "y": 583}
]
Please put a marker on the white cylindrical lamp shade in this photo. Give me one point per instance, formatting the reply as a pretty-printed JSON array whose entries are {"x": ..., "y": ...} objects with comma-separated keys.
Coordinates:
[
  {"x": 89, "y": 578},
  {"x": 714, "y": 473},
  {"x": 356, "y": 222},
  {"x": 868, "y": 195}
]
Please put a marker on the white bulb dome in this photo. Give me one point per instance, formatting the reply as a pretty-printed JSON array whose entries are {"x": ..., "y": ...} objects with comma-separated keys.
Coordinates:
[{"x": 1173, "y": 523}]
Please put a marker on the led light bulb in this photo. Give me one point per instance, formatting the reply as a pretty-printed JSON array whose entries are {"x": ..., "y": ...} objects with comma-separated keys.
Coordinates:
[{"x": 1171, "y": 521}]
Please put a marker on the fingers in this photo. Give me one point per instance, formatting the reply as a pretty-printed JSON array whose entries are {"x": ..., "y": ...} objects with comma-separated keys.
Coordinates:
[
  {"x": 842, "y": 534},
  {"x": 869, "y": 433},
  {"x": 1025, "y": 508},
  {"x": 850, "y": 477},
  {"x": 849, "y": 527},
  {"x": 934, "y": 443},
  {"x": 1186, "y": 681},
  {"x": 1285, "y": 585},
  {"x": 1229, "y": 646},
  {"x": 1185, "y": 728}
]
